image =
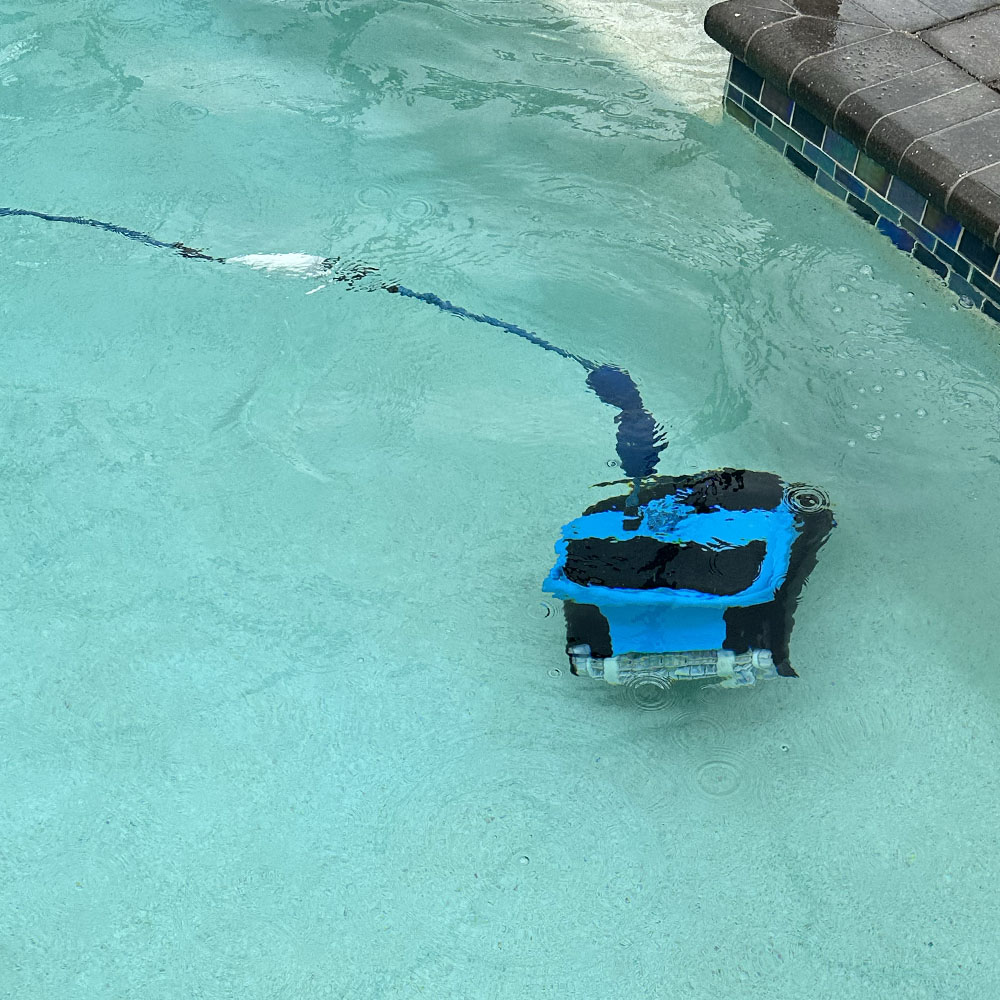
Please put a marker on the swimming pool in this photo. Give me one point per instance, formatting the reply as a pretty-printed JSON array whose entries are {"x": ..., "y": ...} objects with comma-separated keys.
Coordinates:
[{"x": 286, "y": 712}]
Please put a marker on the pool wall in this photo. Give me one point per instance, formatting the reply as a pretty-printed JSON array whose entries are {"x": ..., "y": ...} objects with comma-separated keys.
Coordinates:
[
  {"x": 962, "y": 260},
  {"x": 891, "y": 107}
]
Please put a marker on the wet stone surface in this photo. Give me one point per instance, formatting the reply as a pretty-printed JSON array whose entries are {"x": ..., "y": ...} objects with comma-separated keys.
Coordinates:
[
  {"x": 973, "y": 43},
  {"x": 914, "y": 85}
]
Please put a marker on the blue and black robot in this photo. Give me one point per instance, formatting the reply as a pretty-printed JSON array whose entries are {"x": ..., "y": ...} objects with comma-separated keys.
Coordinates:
[{"x": 684, "y": 577}]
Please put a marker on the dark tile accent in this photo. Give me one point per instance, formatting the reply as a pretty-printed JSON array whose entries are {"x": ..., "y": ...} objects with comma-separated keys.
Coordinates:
[
  {"x": 860, "y": 111},
  {"x": 808, "y": 125},
  {"x": 779, "y": 50},
  {"x": 900, "y": 237},
  {"x": 929, "y": 260},
  {"x": 866, "y": 212},
  {"x": 974, "y": 44},
  {"x": 745, "y": 78},
  {"x": 883, "y": 207},
  {"x": 739, "y": 114},
  {"x": 875, "y": 176},
  {"x": 960, "y": 286},
  {"x": 823, "y": 81},
  {"x": 827, "y": 183},
  {"x": 973, "y": 249},
  {"x": 952, "y": 259},
  {"x": 733, "y": 24},
  {"x": 942, "y": 225},
  {"x": 769, "y": 137},
  {"x": 844, "y": 152},
  {"x": 850, "y": 182},
  {"x": 904, "y": 197},
  {"x": 893, "y": 135},
  {"x": 928, "y": 239},
  {"x": 757, "y": 111},
  {"x": 809, "y": 169},
  {"x": 788, "y": 134},
  {"x": 976, "y": 202},
  {"x": 989, "y": 288},
  {"x": 992, "y": 311},
  {"x": 824, "y": 162},
  {"x": 777, "y": 102}
]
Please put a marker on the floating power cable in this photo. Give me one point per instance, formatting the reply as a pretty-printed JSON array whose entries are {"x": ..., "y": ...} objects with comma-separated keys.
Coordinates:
[
  {"x": 685, "y": 577},
  {"x": 639, "y": 437}
]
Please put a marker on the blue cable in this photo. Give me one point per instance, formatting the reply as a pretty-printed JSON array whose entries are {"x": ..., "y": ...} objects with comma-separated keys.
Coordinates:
[{"x": 639, "y": 438}]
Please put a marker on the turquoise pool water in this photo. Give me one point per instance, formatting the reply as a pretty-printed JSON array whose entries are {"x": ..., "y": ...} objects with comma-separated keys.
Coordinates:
[{"x": 285, "y": 713}]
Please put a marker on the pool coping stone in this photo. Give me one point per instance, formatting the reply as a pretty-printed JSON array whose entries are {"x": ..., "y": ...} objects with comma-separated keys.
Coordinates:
[{"x": 913, "y": 86}]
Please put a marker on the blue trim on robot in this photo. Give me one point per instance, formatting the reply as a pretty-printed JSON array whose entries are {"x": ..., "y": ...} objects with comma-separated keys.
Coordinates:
[{"x": 665, "y": 620}]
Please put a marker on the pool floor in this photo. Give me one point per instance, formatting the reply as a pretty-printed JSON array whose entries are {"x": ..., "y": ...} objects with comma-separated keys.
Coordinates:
[{"x": 286, "y": 713}]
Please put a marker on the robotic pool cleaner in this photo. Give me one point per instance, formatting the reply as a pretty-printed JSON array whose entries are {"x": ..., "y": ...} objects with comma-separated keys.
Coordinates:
[
  {"x": 680, "y": 578},
  {"x": 695, "y": 577}
]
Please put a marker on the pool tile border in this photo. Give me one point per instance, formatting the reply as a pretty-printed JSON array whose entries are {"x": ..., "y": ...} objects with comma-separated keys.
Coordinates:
[{"x": 956, "y": 255}]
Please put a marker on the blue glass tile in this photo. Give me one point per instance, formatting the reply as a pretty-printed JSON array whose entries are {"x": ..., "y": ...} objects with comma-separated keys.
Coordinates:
[
  {"x": 788, "y": 134},
  {"x": 959, "y": 285},
  {"x": 900, "y": 237},
  {"x": 918, "y": 231},
  {"x": 808, "y": 125},
  {"x": 850, "y": 182},
  {"x": 929, "y": 260},
  {"x": 745, "y": 78},
  {"x": 757, "y": 111},
  {"x": 776, "y": 102},
  {"x": 769, "y": 137},
  {"x": 809, "y": 169},
  {"x": 971, "y": 247},
  {"x": 826, "y": 182},
  {"x": 810, "y": 152},
  {"x": 989, "y": 288},
  {"x": 904, "y": 197},
  {"x": 992, "y": 311},
  {"x": 952, "y": 259},
  {"x": 942, "y": 225},
  {"x": 882, "y": 206},
  {"x": 739, "y": 114},
  {"x": 844, "y": 152},
  {"x": 875, "y": 176},
  {"x": 865, "y": 211}
]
